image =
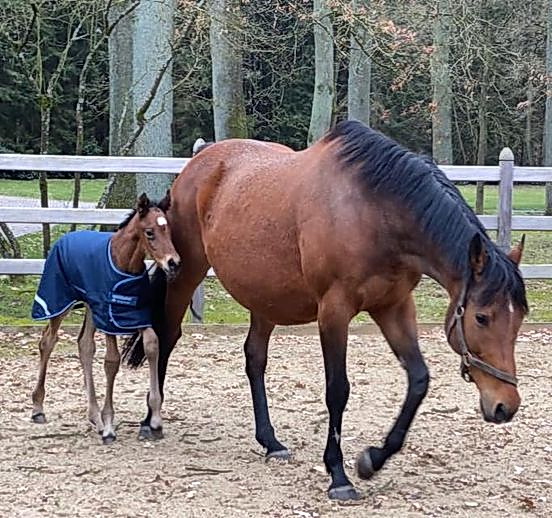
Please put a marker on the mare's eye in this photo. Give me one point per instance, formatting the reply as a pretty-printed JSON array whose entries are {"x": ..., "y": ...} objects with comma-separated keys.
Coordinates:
[
  {"x": 482, "y": 320},
  {"x": 149, "y": 233}
]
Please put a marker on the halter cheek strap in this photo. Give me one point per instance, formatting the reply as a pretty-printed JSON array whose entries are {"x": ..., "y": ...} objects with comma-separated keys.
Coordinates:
[{"x": 469, "y": 359}]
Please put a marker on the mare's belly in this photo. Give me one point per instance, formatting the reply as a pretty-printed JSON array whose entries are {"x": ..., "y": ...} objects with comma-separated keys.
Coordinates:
[
  {"x": 265, "y": 283},
  {"x": 256, "y": 258}
]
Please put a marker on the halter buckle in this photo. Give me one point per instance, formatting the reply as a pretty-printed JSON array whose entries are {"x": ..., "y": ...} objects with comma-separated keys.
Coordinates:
[{"x": 465, "y": 363}]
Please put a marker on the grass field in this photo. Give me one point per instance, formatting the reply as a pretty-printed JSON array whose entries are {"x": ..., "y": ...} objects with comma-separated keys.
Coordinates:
[{"x": 16, "y": 293}]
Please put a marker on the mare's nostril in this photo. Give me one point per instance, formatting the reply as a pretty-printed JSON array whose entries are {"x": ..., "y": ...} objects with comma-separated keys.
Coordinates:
[{"x": 501, "y": 415}]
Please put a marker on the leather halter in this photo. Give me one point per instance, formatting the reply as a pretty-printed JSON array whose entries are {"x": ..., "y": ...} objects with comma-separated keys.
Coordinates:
[{"x": 468, "y": 358}]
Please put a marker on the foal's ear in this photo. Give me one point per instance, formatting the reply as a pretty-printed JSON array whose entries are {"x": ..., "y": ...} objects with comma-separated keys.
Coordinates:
[
  {"x": 165, "y": 203},
  {"x": 478, "y": 254},
  {"x": 143, "y": 204},
  {"x": 517, "y": 251}
]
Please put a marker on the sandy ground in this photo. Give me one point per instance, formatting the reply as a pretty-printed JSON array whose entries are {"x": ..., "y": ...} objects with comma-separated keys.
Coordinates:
[{"x": 209, "y": 464}]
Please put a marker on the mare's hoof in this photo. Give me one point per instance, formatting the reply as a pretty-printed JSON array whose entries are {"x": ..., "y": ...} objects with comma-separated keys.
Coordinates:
[
  {"x": 147, "y": 433},
  {"x": 38, "y": 418},
  {"x": 347, "y": 492},
  {"x": 280, "y": 454},
  {"x": 364, "y": 466},
  {"x": 109, "y": 439}
]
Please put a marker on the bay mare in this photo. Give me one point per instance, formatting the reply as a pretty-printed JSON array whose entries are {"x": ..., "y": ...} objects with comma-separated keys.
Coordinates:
[{"x": 347, "y": 225}]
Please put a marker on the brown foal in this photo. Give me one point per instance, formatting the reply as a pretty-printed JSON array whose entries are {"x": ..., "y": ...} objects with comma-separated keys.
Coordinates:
[{"x": 145, "y": 231}]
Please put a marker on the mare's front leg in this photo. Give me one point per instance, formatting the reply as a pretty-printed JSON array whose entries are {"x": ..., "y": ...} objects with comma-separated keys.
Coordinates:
[
  {"x": 46, "y": 346},
  {"x": 177, "y": 299},
  {"x": 256, "y": 347},
  {"x": 151, "y": 350},
  {"x": 398, "y": 325},
  {"x": 334, "y": 316},
  {"x": 111, "y": 367},
  {"x": 87, "y": 349}
]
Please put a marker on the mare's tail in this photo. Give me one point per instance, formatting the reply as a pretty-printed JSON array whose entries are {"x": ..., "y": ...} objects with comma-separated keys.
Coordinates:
[{"x": 133, "y": 348}]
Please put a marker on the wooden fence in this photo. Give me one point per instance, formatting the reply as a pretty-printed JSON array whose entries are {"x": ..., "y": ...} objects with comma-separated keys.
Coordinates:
[{"x": 506, "y": 174}]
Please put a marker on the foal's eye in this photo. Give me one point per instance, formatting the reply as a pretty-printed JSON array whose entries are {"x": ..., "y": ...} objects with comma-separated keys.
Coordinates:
[
  {"x": 149, "y": 233},
  {"x": 482, "y": 320}
]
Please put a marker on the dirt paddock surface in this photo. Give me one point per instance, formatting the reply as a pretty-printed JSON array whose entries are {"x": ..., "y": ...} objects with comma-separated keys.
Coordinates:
[{"x": 208, "y": 464}]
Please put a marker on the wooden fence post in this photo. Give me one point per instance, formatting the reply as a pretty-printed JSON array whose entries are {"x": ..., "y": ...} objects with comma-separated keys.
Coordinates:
[
  {"x": 505, "y": 188},
  {"x": 198, "y": 300}
]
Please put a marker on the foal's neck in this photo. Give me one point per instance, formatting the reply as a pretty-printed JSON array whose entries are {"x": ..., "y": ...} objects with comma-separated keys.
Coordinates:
[{"x": 128, "y": 254}]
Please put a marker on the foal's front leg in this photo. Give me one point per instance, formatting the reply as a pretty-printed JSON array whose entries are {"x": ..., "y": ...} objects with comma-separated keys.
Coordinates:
[
  {"x": 111, "y": 367},
  {"x": 398, "y": 324},
  {"x": 151, "y": 350}
]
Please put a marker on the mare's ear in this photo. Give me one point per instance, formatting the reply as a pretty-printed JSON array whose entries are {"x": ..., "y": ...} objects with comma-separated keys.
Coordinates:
[
  {"x": 142, "y": 205},
  {"x": 478, "y": 254},
  {"x": 165, "y": 203},
  {"x": 517, "y": 251}
]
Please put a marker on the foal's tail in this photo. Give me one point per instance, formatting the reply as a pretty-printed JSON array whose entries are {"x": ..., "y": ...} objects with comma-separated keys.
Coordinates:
[{"x": 133, "y": 348}]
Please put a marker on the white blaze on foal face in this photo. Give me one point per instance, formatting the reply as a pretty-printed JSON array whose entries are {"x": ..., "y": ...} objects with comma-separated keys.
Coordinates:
[{"x": 161, "y": 221}]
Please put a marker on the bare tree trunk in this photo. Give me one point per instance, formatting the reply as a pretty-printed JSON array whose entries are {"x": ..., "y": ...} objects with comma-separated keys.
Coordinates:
[
  {"x": 529, "y": 125},
  {"x": 152, "y": 67},
  {"x": 547, "y": 133},
  {"x": 482, "y": 140},
  {"x": 230, "y": 120},
  {"x": 360, "y": 66},
  {"x": 45, "y": 112},
  {"x": 442, "y": 90},
  {"x": 9, "y": 246},
  {"x": 120, "y": 188},
  {"x": 324, "y": 84}
]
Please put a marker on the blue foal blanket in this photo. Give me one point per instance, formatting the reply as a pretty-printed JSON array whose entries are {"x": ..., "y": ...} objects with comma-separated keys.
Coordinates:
[{"x": 79, "y": 268}]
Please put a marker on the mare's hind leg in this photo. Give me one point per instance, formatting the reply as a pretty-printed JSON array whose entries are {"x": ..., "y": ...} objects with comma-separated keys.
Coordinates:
[
  {"x": 398, "y": 325},
  {"x": 256, "y": 347},
  {"x": 87, "y": 349},
  {"x": 334, "y": 316},
  {"x": 151, "y": 350},
  {"x": 46, "y": 346},
  {"x": 111, "y": 367}
]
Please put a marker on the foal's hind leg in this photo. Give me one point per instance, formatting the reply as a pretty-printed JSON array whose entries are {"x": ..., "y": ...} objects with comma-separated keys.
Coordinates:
[
  {"x": 46, "y": 346},
  {"x": 398, "y": 324},
  {"x": 111, "y": 367},
  {"x": 87, "y": 349},
  {"x": 256, "y": 347}
]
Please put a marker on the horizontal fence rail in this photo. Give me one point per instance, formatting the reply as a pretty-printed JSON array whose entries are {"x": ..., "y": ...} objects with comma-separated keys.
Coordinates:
[
  {"x": 115, "y": 216},
  {"x": 92, "y": 164},
  {"x": 506, "y": 174}
]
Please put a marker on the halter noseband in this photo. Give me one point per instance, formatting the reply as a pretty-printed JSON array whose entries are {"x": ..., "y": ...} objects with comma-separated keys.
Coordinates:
[{"x": 469, "y": 359}]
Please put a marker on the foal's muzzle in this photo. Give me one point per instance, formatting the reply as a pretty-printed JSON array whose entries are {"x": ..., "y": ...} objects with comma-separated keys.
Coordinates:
[{"x": 171, "y": 267}]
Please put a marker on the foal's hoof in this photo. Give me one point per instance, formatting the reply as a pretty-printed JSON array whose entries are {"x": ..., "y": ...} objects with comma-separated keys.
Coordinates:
[
  {"x": 147, "y": 433},
  {"x": 109, "y": 439},
  {"x": 280, "y": 455},
  {"x": 364, "y": 466},
  {"x": 38, "y": 418},
  {"x": 347, "y": 492}
]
